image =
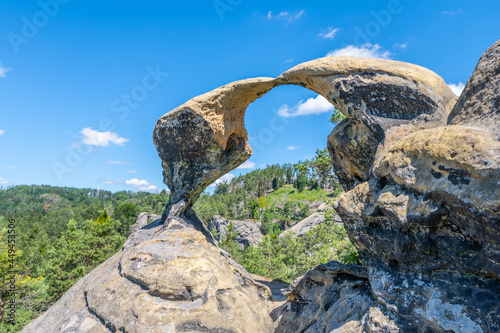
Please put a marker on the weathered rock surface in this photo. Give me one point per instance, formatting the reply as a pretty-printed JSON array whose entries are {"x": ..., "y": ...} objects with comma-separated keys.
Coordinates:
[
  {"x": 163, "y": 280},
  {"x": 334, "y": 298},
  {"x": 248, "y": 232},
  {"x": 426, "y": 221},
  {"x": 205, "y": 138},
  {"x": 376, "y": 96},
  {"x": 479, "y": 104}
]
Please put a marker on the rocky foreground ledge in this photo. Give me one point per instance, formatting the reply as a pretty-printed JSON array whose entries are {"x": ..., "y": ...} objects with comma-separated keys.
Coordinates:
[
  {"x": 170, "y": 279},
  {"x": 421, "y": 174}
]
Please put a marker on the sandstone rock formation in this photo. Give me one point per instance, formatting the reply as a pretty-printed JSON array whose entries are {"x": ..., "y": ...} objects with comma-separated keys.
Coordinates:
[
  {"x": 248, "y": 232},
  {"x": 425, "y": 218},
  {"x": 205, "y": 138},
  {"x": 334, "y": 298},
  {"x": 163, "y": 280},
  {"x": 426, "y": 221},
  {"x": 422, "y": 206}
]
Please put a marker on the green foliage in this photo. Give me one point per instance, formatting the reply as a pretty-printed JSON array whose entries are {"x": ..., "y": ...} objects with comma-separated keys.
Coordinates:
[
  {"x": 287, "y": 258},
  {"x": 275, "y": 184},
  {"x": 301, "y": 182},
  {"x": 126, "y": 214},
  {"x": 62, "y": 234},
  {"x": 351, "y": 258},
  {"x": 337, "y": 117},
  {"x": 31, "y": 292},
  {"x": 249, "y": 196},
  {"x": 78, "y": 251}
]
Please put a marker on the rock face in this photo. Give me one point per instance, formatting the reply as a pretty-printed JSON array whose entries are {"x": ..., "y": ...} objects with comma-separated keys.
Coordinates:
[
  {"x": 334, "y": 298},
  {"x": 163, "y": 280},
  {"x": 248, "y": 232},
  {"x": 426, "y": 221}
]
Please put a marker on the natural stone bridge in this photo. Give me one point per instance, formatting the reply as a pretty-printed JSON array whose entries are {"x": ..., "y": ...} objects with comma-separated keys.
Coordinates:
[
  {"x": 421, "y": 173},
  {"x": 205, "y": 138}
]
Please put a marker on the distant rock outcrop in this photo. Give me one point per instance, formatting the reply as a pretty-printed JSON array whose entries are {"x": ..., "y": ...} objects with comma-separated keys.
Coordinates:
[
  {"x": 248, "y": 232},
  {"x": 422, "y": 206},
  {"x": 310, "y": 222}
]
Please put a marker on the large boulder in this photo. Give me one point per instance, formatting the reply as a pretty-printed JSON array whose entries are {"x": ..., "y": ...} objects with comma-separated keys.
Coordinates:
[{"x": 170, "y": 279}]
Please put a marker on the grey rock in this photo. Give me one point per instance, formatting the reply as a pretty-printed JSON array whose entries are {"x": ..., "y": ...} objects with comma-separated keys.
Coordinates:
[
  {"x": 479, "y": 103},
  {"x": 426, "y": 219},
  {"x": 323, "y": 207},
  {"x": 334, "y": 298},
  {"x": 248, "y": 232}
]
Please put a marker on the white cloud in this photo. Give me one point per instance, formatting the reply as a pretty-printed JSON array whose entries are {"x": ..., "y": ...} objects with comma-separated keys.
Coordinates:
[
  {"x": 101, "y": 139},
  {"x": 131, "y": 171},
  {"x": 293, "y": 147},
  {"x": 3, "y": 181},
  {"x": 2, "y": 132},
  {"x": 110, "y": 181},
  {"x": 399, "y": 46},
  {"x": 226, "y": 178},
  {"x": 287, "y": 61},
  {"x": 364, "y": 51},
  {"x": 3, "y": 70},
  {"x": 141, "y": 185},
  {"x": 457, "y": 88},
  {"x": 247, "y": 165},
  {"x": 285, "y": 16},
  {"x": 453, "y": 12},
  {"x": 118, "y": 162},
  {"x": 330, "y": 34},
  {"x": 313, "y": 105}
]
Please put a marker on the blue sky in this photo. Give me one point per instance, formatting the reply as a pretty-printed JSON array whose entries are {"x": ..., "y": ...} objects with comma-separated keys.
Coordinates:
[{"x": 82, "y": 83}]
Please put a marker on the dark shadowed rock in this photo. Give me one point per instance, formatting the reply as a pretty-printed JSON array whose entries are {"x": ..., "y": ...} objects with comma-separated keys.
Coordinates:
[{"x": 334, "y": 298}]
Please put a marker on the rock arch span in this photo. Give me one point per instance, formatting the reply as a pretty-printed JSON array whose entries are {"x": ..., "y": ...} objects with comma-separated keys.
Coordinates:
[{"x": 205, "y": 138}]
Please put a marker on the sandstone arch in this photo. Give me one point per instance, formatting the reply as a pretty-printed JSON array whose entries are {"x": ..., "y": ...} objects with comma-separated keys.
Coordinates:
[
  {"x": 422, "y": 208},
  {"x": 205, "y": 137}
]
